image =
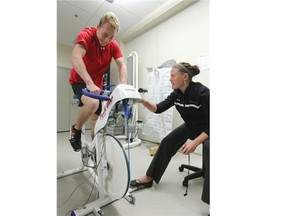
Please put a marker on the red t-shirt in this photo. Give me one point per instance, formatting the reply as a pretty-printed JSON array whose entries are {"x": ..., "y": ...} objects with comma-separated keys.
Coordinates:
[{"x": 96, "y": 60}]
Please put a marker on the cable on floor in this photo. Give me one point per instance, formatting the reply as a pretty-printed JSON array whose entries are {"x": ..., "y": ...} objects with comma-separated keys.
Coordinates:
[{"x": 75, "y": 190}]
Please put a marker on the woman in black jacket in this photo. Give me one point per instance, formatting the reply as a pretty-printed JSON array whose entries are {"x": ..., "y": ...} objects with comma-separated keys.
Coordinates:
[{"x": 192, "y": 101}]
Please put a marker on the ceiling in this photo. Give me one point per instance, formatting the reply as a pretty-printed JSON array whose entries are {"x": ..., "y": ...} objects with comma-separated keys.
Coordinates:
[{"x": 135, "y": 16}]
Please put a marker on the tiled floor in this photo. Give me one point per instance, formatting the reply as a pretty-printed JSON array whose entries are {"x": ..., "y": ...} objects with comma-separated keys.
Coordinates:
[{"x": 165, "y": 198}]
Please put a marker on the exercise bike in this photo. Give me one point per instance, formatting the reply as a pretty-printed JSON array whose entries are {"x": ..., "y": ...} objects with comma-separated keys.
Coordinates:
[{"x": 105, "y": 157}]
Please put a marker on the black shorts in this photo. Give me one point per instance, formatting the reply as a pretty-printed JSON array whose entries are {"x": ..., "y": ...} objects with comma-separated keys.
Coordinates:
[{"x": 77, "y": 89}]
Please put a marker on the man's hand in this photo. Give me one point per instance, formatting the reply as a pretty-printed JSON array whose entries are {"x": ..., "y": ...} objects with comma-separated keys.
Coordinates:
[{"x": 93, "y": 88}]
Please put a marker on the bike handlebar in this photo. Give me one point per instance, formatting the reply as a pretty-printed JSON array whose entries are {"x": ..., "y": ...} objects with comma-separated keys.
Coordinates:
[{"x": 86, "y": 92}]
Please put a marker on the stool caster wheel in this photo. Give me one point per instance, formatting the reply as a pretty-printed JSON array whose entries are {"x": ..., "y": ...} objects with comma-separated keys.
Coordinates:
[
  {"x": 101, "y": 213},
  {"x": 185, "y": 183},
  {"x": 181, "y": 169}
]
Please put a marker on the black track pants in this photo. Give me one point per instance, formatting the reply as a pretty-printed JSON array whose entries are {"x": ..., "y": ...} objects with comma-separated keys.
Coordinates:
[{"x": 167, "y": 149}]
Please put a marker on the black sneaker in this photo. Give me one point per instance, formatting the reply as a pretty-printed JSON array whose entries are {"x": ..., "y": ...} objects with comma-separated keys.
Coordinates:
[{"x": 75, "y": 138}]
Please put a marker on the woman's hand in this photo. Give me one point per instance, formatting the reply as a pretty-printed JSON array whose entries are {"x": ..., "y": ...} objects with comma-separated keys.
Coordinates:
[
  {"x": 189, "y": 147},
  {"x": 142, "y": 101}
]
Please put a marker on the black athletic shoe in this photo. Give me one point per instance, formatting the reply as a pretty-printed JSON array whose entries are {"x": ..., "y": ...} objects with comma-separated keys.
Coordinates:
[{"x": 75, "y": 138}]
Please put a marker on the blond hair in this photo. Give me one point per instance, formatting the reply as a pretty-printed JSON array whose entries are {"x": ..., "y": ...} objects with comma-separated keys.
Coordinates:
[{"x": 111, "y": 18}]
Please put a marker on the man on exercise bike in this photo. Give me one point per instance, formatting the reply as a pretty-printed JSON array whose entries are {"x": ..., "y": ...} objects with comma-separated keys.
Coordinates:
[{"x": 91, "y": 57}]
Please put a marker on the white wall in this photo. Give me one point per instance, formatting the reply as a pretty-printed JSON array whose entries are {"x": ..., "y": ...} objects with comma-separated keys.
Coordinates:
[
  {"x": 183, "y": 37},
  {"x": 64, "y": 56}
]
